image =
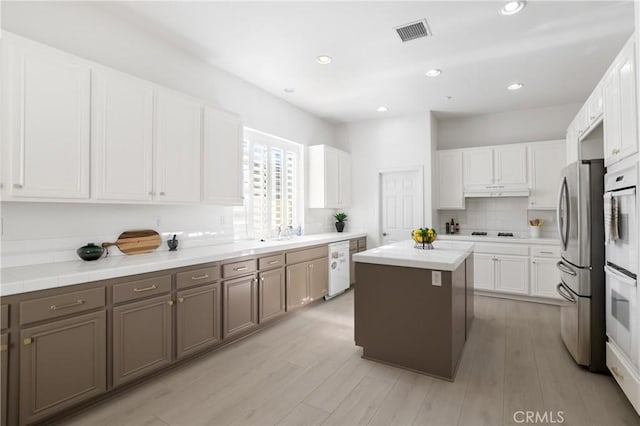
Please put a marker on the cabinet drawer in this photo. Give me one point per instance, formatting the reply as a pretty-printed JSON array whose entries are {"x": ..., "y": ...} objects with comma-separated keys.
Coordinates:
[
  {"x": 353, "y": 245},
  {"x": 269, "y": 262},
  {"x": 623, "y": 373},
  {"x": 4, "y": 317},
  {"x": 239, "y": 268},
  {"x": 362, "y": 244},
  {"x": 134, "y": 290},
  {"x": 307, "y": 254},
  {"x": 197, "y": 276},
  {"x": 512, "y": 249},
  {"x": 545, "y": 251},
  {"x": 64, "y": 304}
]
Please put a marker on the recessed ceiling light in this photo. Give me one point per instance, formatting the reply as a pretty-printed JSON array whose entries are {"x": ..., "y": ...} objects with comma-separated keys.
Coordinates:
[
  {"x": 382, "y": 109},
  {"x": 324, "y": 59},
  {"x": 515, "y": 86},
  {"x": 289, "y": 90},
  {"x": 433, "y": 73},
  {"x": 513, "y": 7}
]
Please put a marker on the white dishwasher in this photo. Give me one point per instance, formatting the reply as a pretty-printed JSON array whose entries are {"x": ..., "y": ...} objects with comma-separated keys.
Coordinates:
[{"x": 339, "y": 267}]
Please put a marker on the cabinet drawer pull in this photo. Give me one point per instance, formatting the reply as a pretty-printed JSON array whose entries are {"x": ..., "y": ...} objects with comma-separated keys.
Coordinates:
[
  {"x": 27, "y": 341},
  {"x": 273, "y": 262},
  {"x": 140, "y": 290},
  {"x": 162, "y": 193},
  {"x": 17, "y": 186},
  {"x": 241, "y": 268},
  {"x": 201, "y": 277},
  {"x": 68, "y": 305},
  {"x": 546, "y": 252},
  {"x": 617, "y": 373}
]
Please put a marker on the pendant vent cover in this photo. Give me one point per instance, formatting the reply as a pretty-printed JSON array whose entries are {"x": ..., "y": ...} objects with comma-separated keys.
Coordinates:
[{"x": 413, "y": 30}]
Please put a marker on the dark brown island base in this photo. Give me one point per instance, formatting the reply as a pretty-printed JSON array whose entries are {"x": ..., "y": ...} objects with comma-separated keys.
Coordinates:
[{"x": 413, "y": 307}]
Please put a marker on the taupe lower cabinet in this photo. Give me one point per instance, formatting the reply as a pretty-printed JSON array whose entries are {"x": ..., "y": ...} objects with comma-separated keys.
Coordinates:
[
  {"x": 306, "y": 282},
  {"x": 318, "y": 279},
  {"x": 142, "y": 338},
  {"x": 240, "y": 305},
  {"x": 61, "y": 364},
  {"x": 272, "y": 294},
  {"x": 198, "y": 319},
  {"x": 4, "y": 375}
]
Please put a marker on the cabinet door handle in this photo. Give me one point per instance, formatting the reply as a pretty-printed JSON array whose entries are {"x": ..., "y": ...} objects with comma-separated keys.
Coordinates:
[
  {"x": 241, "y": 268},
  {"x": 262, "y": 279},
  {"x": 68, "y": 305},
  {"x": 617, "y": 373},
  {"x": 180, "y": 299},
  {"x": 140, "y": 290},
  {"x": 201, "y": 277},
  {"x": 17, "y": 186},
  {"x": 27, "y": 341},
  {"x": 170, "y": 302},
  {"x": 273, "y": 262},
  {"x": 162, "y": 193},
  {"x": 150, "y": 192}
]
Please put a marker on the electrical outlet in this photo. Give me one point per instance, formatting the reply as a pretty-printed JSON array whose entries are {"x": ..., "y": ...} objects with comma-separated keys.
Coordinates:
[{"x": 436, "y": 278}]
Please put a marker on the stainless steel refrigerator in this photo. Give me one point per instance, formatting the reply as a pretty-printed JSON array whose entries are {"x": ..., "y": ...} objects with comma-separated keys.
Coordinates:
[{"x": 581, "y": 227}]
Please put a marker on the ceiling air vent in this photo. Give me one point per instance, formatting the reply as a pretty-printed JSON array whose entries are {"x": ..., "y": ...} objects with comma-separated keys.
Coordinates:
[{"x": 413, "y": 30}]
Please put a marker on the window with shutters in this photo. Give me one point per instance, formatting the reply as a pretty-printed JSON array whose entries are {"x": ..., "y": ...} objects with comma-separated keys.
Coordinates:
[{"x": 272, "y": 185}]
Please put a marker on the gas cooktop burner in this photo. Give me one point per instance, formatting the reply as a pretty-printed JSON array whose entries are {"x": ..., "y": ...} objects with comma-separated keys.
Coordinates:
[
  {"x": 505, "y": 234},
  {"x": 478, "y": 233}
]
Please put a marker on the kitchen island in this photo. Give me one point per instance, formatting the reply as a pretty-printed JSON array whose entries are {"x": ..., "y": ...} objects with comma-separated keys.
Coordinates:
[{"x": 414, "y": 307}]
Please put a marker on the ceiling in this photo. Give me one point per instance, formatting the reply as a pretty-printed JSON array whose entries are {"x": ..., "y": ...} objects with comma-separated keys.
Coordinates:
[{"x": 557, "y": 49}]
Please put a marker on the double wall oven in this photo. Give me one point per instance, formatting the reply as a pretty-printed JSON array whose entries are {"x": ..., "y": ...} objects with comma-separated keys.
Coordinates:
[
  {"x": 621, "y": 266},
  {"x": 582, "y": 283}
]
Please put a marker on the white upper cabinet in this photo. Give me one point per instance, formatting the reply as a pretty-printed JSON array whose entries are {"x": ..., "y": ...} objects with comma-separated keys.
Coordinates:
[
  {"x": 177, "y": 147},
  {"x": 329, "y": 177},
  {"x": 478, "y": 167},
  {"x": 546, "y": 160},
  {"x": 48, "y": 123},
  {"x": 122, "y": 137},
  {"x": 572, "y": 144},
  {"x": 450, "y": 180},
  {"x": 222, "y": 158},
  {"x": 620, "y": 107},
  {"x": 510, "y": 165}
]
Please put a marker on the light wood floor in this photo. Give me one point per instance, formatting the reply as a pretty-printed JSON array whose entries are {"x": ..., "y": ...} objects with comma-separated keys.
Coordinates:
[{"x": 306, "y": 370}]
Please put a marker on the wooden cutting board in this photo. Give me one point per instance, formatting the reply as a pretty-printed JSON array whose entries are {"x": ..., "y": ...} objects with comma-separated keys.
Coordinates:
[{"x": 136, "y": 242}]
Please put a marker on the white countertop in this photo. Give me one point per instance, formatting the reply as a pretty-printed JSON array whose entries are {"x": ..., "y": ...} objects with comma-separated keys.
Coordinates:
[
  {"x": 24, "y": 279},
  {"x": 495, "y": 239},
  {"x": 446, "y": 255}
]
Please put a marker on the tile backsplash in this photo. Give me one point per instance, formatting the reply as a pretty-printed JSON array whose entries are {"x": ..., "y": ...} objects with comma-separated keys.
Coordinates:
[{"x": 508, "y": 214}]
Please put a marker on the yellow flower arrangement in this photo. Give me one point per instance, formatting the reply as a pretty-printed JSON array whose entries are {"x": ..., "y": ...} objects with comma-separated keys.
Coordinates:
[{"x": 424, "y": 235}]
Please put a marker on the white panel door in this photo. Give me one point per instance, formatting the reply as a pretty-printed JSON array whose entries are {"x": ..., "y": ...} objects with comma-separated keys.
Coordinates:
[
  {"x": 512, "y": 274},
  {"x": 628, "y": 105},
  {"x": 122, "y": 137},
  {"x": 401, "y": 203},
  {"x": 546, "y": 161},
  {"x": 450, "y": 180},
  {"x": 178, "y": 143},
  {"x": 478, "y": 167},
  {"x": 483, "y": 271},
  {"x": 344, "y": 177},
  {"x": 49, "y": 123},
  {"x": 510, "y": 164},
  {"x": 545, "y": 276},
  {"x": 611, "y": 117},
  {"x": 222, "y": 157}
]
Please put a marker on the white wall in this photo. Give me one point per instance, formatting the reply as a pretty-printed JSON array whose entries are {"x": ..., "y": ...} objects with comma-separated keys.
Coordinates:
[
  {"x": 384, "y": 144},
  {"x": 506, "y": 127},
  {"x": 98, "y": 32}
]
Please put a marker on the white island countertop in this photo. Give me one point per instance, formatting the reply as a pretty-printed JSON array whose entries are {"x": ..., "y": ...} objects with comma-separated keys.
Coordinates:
[
  {"x": 446, "y": 255},
  {"x": 23, "y": 279}
]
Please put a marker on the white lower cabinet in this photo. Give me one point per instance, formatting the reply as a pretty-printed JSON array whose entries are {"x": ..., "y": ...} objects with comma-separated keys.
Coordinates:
[
  {"x": 512, "y": 274},
  {"x": 483, "y": 271},
  {"x": 544, "y": 278}
]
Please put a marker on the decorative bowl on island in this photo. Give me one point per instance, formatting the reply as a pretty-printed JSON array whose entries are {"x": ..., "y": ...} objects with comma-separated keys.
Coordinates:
[{"x": 424, "y": 237}]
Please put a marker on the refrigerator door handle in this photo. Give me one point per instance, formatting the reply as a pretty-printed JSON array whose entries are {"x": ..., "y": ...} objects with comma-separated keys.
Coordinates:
[
  {"x": 560, "y": 288},
  {"x": 563, "y": 194},
  {"x": 564, "y": 268}
]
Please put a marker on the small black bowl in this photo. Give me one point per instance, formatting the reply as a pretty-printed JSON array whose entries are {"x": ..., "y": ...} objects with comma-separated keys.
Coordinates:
[{"x": 90, "y": 252}]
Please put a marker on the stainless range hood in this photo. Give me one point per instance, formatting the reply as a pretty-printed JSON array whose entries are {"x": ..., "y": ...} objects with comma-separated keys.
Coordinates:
[{"x": 487, "y": 191}]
